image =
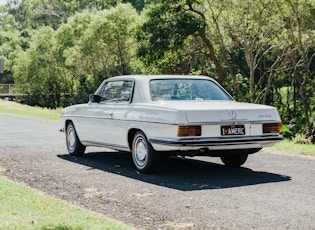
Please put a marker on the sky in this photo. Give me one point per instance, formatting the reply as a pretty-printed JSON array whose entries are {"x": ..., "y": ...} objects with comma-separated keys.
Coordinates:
[{"x": 2, "y": 2}]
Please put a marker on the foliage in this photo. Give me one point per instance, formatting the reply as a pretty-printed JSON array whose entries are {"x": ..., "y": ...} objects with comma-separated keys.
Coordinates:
[
  {"x": 301, "y": 139},
  {"x": 10, "y": 44},
  {"x": 97, "y": 46},
  {"x": 286, "y": 132},
  {"x": 173, "y": 39},
  {"x": 36, "y": 74},
  {"x": 76, "y": 57},
  {"x": 37, "y": 13}
]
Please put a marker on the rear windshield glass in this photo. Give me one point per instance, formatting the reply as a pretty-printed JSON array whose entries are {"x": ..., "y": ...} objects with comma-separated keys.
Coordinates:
[{"x": 186, "y": 89}]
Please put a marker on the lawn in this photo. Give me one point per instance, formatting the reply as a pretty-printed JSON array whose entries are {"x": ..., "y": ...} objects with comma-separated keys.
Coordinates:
[
  {"x": 10, "y": 107},
  {"x": 288, "y": 147},
  {"x": 25, "y": 208}
]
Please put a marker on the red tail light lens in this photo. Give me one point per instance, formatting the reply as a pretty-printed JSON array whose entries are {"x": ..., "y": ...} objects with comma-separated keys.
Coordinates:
[
  {"x": 272, "y": 128},
  {"x": 185, "y": 131}
]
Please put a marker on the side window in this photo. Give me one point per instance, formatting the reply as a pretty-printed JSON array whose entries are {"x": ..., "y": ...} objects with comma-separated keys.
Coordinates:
[
  {"x": 126, "y": 92},
  {"x": 111, "y": 91},
  {"x": 117, "y": 92}
]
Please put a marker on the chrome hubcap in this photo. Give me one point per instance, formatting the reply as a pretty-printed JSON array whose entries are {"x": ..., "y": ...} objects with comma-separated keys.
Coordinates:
[
  {"x": 140, "y": 151},
  {"x": 71, "y": 139}
]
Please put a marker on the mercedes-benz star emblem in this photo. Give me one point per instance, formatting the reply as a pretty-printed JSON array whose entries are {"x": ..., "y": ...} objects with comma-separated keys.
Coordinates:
[{"x": 232, "y": 114}]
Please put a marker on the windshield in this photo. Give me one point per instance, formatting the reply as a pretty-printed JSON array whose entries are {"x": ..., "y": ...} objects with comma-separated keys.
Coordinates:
[{"x": 186, "y": 89}]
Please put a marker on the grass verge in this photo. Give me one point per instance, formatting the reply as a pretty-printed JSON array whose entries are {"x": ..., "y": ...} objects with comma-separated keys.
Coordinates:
[
  {"x": 288, "y": 147},
  {"x": 14, "y": 108},
  {"x": 25, "y": 208}
]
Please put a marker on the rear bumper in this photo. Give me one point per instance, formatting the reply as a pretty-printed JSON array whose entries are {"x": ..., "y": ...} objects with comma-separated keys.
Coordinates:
[{"x": 215, "y": 143}]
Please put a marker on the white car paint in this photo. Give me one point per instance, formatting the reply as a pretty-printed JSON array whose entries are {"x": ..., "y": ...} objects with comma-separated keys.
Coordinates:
[{"x": 108, "y": 124}]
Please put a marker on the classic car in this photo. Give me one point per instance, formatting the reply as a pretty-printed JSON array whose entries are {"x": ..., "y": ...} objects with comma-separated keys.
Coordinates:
[{"x": 155, "y": 117}]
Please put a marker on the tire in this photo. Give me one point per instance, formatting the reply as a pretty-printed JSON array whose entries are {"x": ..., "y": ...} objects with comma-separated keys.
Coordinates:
[
  {"x": 144, "y": 157},
  {"x": 234, "y": 160},
  {"x": 74, "y": 145}
]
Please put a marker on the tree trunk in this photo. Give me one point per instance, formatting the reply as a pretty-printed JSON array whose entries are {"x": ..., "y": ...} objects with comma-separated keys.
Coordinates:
[
  {"x": 215, "y": 60},
  {"x": 250, "y": 59}
]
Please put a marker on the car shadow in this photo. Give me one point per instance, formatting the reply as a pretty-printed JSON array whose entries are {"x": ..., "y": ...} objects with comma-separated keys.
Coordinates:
[{"x": 185, "y": 174}]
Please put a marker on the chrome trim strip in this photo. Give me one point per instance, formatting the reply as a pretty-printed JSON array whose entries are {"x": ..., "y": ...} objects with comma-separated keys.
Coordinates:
[
  {"x": 105, "y": 145},
  {"x": 216, "y": 141},
  {"x": 226, "y": 122}
]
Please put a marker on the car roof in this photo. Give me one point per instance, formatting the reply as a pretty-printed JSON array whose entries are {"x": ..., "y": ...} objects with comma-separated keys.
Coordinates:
[
  {"x": 142, "y": 92},
  {"x": 153, "y": 77}
]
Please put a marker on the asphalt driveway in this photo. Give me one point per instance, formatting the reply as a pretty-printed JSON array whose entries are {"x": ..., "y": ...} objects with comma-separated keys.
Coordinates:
[{"x": 270, "y": 191}]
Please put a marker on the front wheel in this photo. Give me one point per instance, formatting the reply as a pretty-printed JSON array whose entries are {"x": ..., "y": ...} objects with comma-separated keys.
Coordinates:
[
  {"x": 144, "y": 157},
  {"x": 234, "y": 160},
  {"x": 74, "y": 145}
]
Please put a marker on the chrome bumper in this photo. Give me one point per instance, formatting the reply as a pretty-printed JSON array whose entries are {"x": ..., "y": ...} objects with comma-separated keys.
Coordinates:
[{"x": 215, "y": 141}]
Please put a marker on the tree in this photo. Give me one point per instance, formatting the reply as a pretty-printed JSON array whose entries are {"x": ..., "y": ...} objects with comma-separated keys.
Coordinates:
[
  {"x": 106, "y": 47},
  {"x": 300, "y": 30},
  {"x": 36, "y": 13},
  {"x": 36, "y": 74},
  {"x": 69, "y": 40},
  {"x": 245, "y": 34},
  {"x": 94, "y": 45},
  {"x": 10, "y": 45},
  {"x": 74, "y": 59},
  {"x": 167, "y": 28},
  {"x": 137, "y": 4}
]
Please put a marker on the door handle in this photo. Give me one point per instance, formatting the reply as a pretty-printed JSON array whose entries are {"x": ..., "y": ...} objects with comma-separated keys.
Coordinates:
[{"x": 110, "y": 115}]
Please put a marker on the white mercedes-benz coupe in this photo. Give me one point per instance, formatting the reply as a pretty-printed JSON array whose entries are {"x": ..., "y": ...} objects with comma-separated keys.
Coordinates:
[{"x": 157, "y": 116}]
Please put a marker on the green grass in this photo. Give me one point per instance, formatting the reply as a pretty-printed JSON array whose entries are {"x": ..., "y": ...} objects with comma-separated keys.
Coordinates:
[
  {"x": 288, "y": 147},
  {"x": 13, "y": 108},
  {"x": 25, "y": 208}
]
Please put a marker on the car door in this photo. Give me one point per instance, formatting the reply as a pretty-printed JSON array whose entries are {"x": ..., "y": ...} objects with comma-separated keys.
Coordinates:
[
  {"x": 107, "y": 115},
  {"x": 119, "y": 116}
]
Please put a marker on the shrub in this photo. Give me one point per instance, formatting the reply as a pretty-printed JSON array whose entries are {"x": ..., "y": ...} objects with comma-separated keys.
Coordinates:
[{"x": 302, "y": 139}]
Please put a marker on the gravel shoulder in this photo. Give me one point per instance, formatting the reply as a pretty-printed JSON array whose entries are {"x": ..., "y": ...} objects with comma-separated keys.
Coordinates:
[{"x": 271, "y": 191}]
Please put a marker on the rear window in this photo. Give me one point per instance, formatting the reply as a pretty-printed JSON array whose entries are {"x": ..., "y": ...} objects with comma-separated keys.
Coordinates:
[{"x": 186, "y": 89}]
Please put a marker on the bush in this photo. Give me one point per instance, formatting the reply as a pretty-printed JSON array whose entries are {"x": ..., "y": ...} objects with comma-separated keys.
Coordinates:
[
  {"x": 286, "y": 131},
  {"x": 302, "y": 139}
]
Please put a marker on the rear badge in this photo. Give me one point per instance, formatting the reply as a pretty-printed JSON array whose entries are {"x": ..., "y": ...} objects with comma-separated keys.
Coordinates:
[
  {"x": 233, "y": 130},
  {"x": 232, "y": 114}
]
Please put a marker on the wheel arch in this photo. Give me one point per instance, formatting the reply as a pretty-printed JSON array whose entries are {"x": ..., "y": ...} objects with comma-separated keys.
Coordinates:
[
  {"x": 131, "y": 134},
  {"x": 67, "y": 121},
  {"x": 74, "y": 145},
  {"x": 132, "y": 131}
]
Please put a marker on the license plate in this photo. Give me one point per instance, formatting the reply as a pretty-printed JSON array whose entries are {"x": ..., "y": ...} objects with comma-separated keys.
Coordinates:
[{"x": 233, "y": 130}]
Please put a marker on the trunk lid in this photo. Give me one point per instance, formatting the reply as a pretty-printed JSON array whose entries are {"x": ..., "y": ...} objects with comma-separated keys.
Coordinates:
[{"x": 223, "y": 111}]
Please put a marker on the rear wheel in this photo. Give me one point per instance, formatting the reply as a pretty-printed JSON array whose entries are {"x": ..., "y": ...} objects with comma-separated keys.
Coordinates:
[
  {"x": 144, "y": 157},
  {"x": 74, "y": 145},
  {"x": 234, "y": 160}
]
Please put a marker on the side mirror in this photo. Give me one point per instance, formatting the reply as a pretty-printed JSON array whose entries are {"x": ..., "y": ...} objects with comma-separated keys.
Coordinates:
[{"x": 94, "y": 98}]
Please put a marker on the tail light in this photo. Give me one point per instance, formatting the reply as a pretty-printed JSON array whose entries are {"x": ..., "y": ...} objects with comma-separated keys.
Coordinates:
[
  {"x": 191, "y": 130},
  {"x": 272, "y": 128}
]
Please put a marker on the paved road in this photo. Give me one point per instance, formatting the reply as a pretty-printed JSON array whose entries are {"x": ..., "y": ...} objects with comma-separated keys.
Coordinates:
[{"x": 271, "y": 191}]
